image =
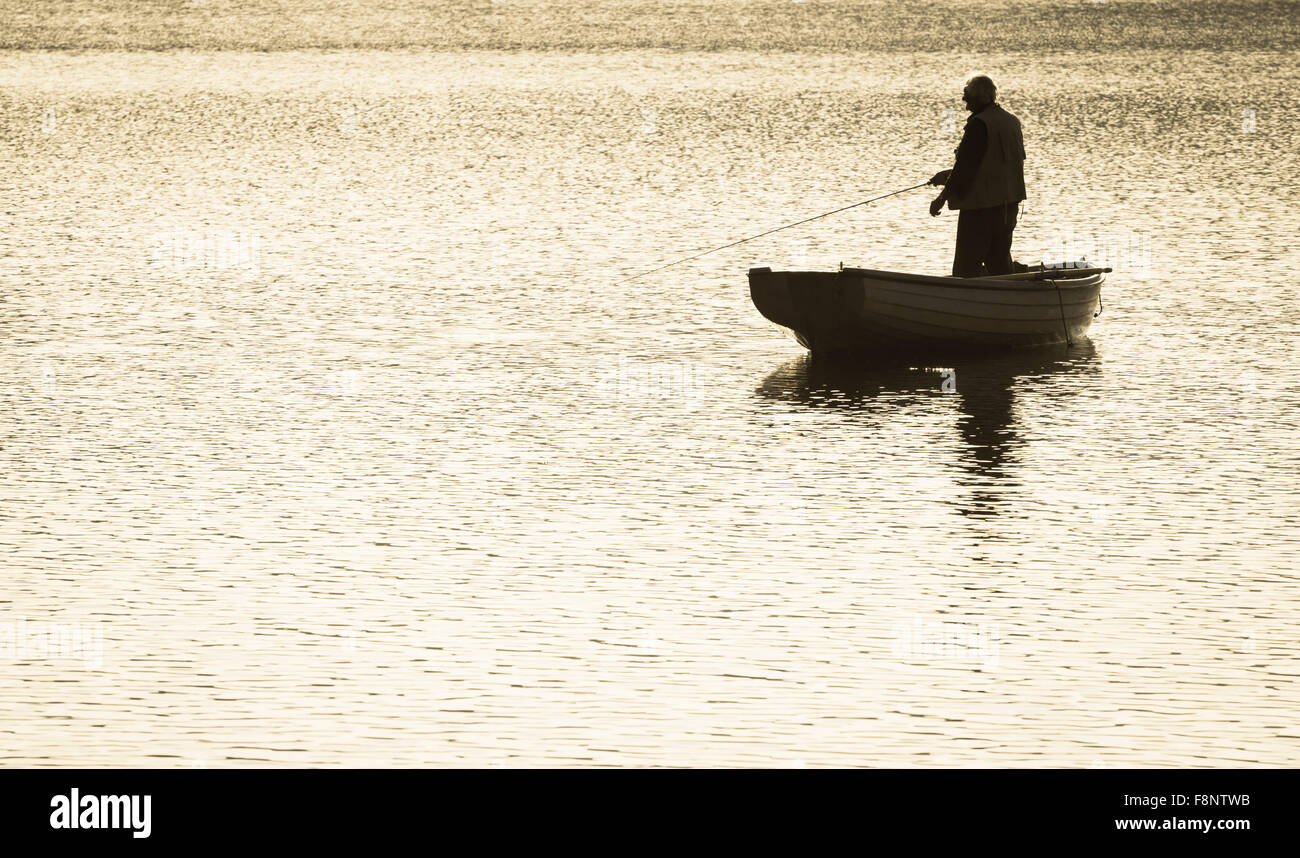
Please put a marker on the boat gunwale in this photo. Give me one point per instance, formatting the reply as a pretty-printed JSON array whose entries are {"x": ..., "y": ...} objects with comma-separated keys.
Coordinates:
[{"x": 963, "y": 283}]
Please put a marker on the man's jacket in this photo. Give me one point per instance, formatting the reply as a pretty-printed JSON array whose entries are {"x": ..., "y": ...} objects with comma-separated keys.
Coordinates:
[{"x": 995, "y": 175}]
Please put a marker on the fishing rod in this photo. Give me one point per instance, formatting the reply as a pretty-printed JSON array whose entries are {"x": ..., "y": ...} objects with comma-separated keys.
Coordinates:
[{"x": 778, "y": 229}]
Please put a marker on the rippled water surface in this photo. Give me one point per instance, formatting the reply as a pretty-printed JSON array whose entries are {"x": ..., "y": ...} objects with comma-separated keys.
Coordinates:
[{"x": 331, "y": 434}]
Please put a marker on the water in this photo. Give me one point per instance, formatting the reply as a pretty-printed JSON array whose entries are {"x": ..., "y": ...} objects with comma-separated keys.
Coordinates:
[{"x": 331, "y": 437}]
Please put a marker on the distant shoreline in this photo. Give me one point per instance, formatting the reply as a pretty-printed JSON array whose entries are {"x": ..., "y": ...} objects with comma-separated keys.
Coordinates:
[{"x": 725, "y": 25}]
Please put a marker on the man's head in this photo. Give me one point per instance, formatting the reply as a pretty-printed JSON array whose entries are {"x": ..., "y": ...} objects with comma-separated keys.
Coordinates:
[{"x": 979, "y": 93}]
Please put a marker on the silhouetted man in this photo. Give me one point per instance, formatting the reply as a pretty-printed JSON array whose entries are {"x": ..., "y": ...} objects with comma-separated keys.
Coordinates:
[{"x": 985, "y": 185}]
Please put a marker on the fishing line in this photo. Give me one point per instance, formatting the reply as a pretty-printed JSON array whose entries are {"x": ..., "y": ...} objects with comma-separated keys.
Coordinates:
[{"x": 770, "y": 231}]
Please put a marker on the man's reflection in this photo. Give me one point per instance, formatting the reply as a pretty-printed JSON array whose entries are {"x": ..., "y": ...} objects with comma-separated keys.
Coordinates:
[{"x": 984, "y": 391}]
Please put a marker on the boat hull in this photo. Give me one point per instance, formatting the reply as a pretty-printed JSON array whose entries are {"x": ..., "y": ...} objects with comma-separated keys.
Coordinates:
[{"x": 860, "y": 310}]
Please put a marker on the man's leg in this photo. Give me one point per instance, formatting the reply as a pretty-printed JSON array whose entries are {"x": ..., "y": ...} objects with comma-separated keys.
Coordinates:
[
  {"x": 1002, "y": 224},
  {"x": 973, "y": 239}
]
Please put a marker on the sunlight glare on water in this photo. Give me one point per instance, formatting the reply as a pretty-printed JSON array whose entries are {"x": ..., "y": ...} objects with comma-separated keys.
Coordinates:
[{"x": 333, "y": 429}]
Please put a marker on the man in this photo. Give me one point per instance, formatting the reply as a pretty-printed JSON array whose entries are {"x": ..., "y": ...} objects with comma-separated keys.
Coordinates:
[{"x": 985, "y": 185}]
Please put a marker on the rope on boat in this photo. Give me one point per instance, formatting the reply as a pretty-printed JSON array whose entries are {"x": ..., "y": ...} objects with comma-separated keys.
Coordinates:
[{"x": 1060, "y": 303}]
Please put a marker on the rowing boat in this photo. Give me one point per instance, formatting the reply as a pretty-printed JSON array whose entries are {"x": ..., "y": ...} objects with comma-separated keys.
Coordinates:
[{"x": 863, "y": 310}]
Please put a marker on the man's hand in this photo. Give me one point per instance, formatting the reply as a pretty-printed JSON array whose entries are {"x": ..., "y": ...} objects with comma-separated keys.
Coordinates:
[
  {"x": 937, "y": 205},
  {"x": 941, "y": 177}
]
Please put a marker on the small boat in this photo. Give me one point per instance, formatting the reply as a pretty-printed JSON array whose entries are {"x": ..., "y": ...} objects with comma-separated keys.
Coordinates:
[{"x": 862, "y": 310}]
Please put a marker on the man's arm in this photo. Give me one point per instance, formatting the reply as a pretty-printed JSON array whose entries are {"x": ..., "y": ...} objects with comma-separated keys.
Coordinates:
[{"x": 970, "y": 152}]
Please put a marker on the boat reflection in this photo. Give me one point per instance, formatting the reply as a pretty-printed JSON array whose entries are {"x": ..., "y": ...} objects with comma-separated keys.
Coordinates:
[{"x": 984, "y": 391}]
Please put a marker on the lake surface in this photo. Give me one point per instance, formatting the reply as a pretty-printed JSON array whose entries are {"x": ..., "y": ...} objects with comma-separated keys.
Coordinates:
[{"x": 333, "y": 434}]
